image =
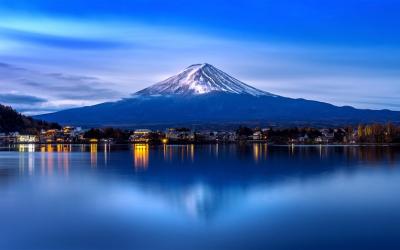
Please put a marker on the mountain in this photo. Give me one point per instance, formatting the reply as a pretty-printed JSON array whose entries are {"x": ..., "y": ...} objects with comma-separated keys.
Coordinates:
[
  {"x": 203, "y": 95},
  {"x": 201, "y": 79},
  {"x": 12, "y": 121}
]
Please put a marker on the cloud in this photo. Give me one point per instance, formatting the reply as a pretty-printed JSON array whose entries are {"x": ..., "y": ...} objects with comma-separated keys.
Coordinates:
[
  {"x": 73, "y": 89},
  {"x": 72, "y": 78},
  {"x": 56, "y": 41},
  {"x": 51, "y": 91},
  {"x": 54, "y": 84},
  {"x": 42, "y": 109},
  {"x": 20, "y": 99},
  {"x": 36, "y": 63}
]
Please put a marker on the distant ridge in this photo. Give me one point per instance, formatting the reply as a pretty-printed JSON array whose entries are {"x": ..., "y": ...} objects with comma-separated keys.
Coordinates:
[{"x": 203, "y": 95}]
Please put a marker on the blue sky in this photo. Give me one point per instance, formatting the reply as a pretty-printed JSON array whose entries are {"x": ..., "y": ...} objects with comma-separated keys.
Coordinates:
[{"x": 61, "y": 54}]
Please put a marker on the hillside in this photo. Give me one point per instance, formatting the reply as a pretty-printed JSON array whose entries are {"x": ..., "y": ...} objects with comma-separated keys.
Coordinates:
[{"x": 12, "y": 121}]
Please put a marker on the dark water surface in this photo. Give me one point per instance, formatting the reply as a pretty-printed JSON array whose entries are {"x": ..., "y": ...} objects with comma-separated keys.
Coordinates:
[{"x": 199, "y": 197}]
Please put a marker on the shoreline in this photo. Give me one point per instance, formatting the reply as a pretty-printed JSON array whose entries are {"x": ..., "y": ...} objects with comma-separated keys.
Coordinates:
[{"x": 217, "y": 143}]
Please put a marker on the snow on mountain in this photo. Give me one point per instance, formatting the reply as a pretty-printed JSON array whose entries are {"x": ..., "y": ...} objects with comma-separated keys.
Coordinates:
[{"x": 200, "y": 79}]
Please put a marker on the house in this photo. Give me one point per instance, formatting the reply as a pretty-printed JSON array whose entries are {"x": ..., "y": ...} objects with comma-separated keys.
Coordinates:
[
  {"x": 319, "y": 140},
  {"x": 49, "y": 136},
  {"x": 328, "y": 136},
  {"x": 258, "y": 135},
  {"x": 3, "y": 138},
  {"x": 303, "y": 139},
  {"x": 209, "y": 136},
  {"x": 140, "y": 135},
  {"x": 27, "y": 138},
  {"x": 72, "y": 133},
  {"x": 174, "y": 134},
  {"x": 226, "y": 136}
]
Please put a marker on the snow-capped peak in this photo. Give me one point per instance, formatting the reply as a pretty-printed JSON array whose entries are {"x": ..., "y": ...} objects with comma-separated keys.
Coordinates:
[{"x": 200, "y": 79}]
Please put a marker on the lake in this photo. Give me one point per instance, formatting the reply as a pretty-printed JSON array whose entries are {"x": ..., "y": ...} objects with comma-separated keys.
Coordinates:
[{"x": 199, "y": 197}]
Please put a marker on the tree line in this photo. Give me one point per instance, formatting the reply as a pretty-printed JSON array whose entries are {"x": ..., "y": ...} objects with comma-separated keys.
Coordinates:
[{"x": 12, "y": 121}]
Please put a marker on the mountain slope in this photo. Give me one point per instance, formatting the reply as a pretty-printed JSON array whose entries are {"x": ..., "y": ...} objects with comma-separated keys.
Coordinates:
[{"x": 202, "y": 94}]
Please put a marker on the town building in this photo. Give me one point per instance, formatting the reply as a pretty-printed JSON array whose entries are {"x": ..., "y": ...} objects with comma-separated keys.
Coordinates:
[
  {"x": 173, "y": 134},
  {"x": 140, "y": 135},
  {"x": 226, "y": 136},
  {"x": 27, "y": 138},
  {"x": 257, "y": 136}
]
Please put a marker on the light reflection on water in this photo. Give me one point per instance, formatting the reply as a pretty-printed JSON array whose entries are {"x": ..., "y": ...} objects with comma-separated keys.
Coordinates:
[
  {"x": 199, "y": 197},
  {"x": 141, "y": 156}
]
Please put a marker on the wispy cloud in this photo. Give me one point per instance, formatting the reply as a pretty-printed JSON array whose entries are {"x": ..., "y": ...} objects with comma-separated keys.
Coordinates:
[
  {"x": 20, "y": 99},
  {"x": 50, "y": 91},
  {"x": 57, "y": 41}
]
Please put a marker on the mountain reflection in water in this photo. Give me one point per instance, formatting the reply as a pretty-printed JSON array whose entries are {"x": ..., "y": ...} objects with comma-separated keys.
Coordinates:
[{"x": 250, "y": 190}]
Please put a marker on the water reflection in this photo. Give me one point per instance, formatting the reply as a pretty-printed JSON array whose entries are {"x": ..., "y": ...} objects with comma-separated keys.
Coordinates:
[
  {"x": 93, "y": 155},
  {"x": 44, "y": 156},
  {"x": 50, "y": 159},
  {"x": 26, "y": 147},
  {"x": 31, "y": 162},
  {"x": 260, "y": 151},
  {"x": 183, "y": 153},
  {"x": 106, "y": 152},
  {"x": 141, "y": 156},
  {"x": 195, "y": 189},
  {"x": 59, "y": 155},
  {"x": 200, "y": 178}
]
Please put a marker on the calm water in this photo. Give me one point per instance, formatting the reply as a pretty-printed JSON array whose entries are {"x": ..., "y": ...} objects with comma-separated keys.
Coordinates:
[{"x": 199, "y": 197}]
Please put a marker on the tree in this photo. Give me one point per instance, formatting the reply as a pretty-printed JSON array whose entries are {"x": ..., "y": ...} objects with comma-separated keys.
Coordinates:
[
  {"x": 244, "y": 131},
  {"x": 12, "y": 121}
]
